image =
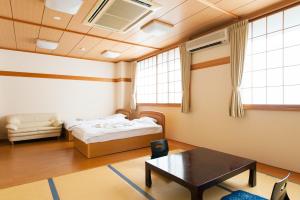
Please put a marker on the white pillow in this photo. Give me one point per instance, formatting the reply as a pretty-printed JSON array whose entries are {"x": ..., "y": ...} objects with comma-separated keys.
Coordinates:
[
  {"x": 12, "y": 127},
  {"x": 149, "y": 119},
  {"x": 119, "y": 115},
  {"x": 13, "y": 120}
]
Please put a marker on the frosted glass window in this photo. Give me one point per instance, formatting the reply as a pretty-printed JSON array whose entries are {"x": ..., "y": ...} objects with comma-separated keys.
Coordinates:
[
  {"x": 292, "y": 17},
  {"x": 159, "y": 78},
  {"x": 292, "y": 36},
  {"x": 247, "y": 77},
  {"x": 259, "y": 44},
  {"x": 259, "y": 96},
  {"x": 274, "y": 22},
  {"x": 275, "y": 40},
  {"x": 291, "y": 56},
  {"x": 259, "y": 78},
  {"x": 272, "y": 64},
  {"x": 292, "y": 75},
  {"x": 292, "y": 94},
  {"x": 275, "y": 77},
  {"x": 275, "y": 95},
  {"x": 259, "y": 27},
  {"x": 259, "y": 61},
  {"x": 246, "y": 95},
  {"x": 275, "y": 59}
]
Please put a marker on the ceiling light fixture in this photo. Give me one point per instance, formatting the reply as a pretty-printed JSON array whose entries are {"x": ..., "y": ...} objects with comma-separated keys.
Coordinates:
[
  {"x": 44, "y": 44},
  {"x": 65, "y": 6},
  {"x": 110, "y": 54},
  {"x": 57, "y": 18},
  {"x": 157, "y": 28}
]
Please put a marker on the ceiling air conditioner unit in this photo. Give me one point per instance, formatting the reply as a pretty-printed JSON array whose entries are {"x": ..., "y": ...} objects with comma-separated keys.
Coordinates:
[
  {"x": 209, "y": 40},
  {"x": 119, "y": 15}
]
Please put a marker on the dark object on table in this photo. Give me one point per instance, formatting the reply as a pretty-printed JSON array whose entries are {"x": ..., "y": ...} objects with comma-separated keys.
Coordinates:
[{"x": 159, "y": 148}]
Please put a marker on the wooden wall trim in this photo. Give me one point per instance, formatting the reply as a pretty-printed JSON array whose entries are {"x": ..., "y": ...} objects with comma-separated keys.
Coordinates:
[
  {"x": 64, "y": 77},
  {"x": 211, "y": 63},
  {"x": 271, "y": 107}
]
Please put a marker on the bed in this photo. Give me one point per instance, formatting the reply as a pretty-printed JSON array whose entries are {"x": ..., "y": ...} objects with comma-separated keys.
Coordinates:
[
  {"x": 126, "y": 135},
  {"x": 70, "y": 124}
]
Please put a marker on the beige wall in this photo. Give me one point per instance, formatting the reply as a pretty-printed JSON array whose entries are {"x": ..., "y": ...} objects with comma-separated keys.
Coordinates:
[
  {"x": 122, "y": 89},
  {"x": 270, "y": 137},
  {"x": 68, "y": 98}
]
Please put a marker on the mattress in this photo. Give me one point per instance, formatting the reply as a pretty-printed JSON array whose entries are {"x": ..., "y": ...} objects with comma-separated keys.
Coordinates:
[{"x": 106, "y": 131}]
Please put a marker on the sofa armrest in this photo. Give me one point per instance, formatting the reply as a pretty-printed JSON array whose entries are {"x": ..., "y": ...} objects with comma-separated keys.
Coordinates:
[
  {"x": 12, "y": 127},
  {"x": 56, "y": 123}
]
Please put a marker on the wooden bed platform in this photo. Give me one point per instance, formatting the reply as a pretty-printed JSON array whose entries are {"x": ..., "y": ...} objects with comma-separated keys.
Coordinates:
[{"x": 115, "y": 146}]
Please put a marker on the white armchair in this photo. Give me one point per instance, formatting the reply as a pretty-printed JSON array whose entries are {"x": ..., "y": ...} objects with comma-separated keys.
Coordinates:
[{"x": 32, "y": 126}]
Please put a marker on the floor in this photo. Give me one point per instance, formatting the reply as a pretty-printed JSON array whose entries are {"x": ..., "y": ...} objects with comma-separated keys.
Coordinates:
[{"x": 31, "y": 161}]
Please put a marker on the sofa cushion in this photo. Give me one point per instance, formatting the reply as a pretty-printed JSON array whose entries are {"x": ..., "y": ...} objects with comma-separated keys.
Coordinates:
[
  {"x": 34, "y": 124},
  {"x": 34, "y": 129},
  {"x": 12, "y": 126},
  {"x": 37, "y": 117}
]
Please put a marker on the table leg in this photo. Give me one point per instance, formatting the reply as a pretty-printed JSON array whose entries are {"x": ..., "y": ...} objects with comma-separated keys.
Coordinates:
[
  {"x": 148, "y": 176},
  {"x": 252, "y": 177},
  {"x": 196, "y": 194}
]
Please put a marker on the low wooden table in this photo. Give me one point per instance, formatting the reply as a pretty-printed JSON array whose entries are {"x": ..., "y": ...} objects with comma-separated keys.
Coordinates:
[{"x": 200, "y": 169}]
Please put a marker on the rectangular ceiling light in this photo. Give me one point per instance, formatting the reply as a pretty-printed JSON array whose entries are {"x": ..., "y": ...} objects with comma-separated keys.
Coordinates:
[
  {"x": 44, "y": 44},
  {"x": 65, "y": 6},
  {"x": 110, "y": 54},
  {"x": 156, "y": 27}
]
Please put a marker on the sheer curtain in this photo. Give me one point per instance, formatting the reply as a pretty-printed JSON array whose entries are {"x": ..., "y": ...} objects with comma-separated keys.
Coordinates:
[
  {"x": 133, "y": 85},
  {"x": 185, "y": 59},
  {"x": 238, "y": 34}
]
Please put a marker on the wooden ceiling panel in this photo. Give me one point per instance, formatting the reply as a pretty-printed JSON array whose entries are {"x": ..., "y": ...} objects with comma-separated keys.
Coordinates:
[
  {"x": 26, "y": 36},
  {"x": 100, "y": 32},
  {"x": 87, "y": 43},
  {"x": 50, "y": 34},
  {"x": 48, "y": 18},
  {"x": 5, "y": 8},
  {"x": 76, "y": 21},
  {"x": 96, "y": 51},
  {"x": 7, "y": 39},
  {"x": 229, "y": 6},
  {"x": 189, "y": 25},
  {"x": 28, "y": 10},
  {"x": 67, "y": 42},
  {"x": 254, "y": 6},
  {"x": 121, "y": 47},
  {"x": 183, "y": 11}
]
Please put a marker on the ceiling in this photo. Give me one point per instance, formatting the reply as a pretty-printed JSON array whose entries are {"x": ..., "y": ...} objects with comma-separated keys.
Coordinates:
[{"x": 24, "y": 21}]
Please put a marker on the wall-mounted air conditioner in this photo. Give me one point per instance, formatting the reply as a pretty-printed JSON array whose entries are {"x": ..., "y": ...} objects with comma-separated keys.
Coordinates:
[
  {"x": 209, "y": 40},
  {"x": 119, "y": 15}
]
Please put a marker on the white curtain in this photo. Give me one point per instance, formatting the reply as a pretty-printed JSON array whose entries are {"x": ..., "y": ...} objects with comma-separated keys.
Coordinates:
[
  {"x": 133, "y": 85},
  {"x": 238, "y": 34},
  {"x": 185, "y": 58}
]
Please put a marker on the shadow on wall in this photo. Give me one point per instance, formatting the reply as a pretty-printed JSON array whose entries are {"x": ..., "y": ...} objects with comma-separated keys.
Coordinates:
[{"x": 3, "y": 132}]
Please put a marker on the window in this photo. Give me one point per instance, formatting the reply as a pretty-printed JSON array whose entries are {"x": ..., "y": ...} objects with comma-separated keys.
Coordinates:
[
  {"x": 159, "y": 78},
  {"x": 272, "y": 64}
]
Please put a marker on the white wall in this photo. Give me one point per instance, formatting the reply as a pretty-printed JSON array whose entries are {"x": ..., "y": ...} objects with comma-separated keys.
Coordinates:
[
  {"x": 68, "y": 98},
  {"x": 270, "y": 137}
]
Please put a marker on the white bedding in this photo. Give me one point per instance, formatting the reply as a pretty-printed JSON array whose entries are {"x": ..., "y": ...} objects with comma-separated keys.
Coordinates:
[
  {"x": 71, "y": 124},
  {"x": 115, "y": 129}
]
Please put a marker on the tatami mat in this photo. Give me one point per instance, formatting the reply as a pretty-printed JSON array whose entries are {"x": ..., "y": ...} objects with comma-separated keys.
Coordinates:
[
  {"x": 161, "y": 187},
  {"x": 33, "y": 191},
  {"x": 126, "y": 180},
  {"x": 97, "y": 183}
]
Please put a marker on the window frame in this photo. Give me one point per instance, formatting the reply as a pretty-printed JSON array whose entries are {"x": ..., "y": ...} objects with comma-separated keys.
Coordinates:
[
  {"x": 273, "y": 107},
  {"x": 159, "y": 104}
]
